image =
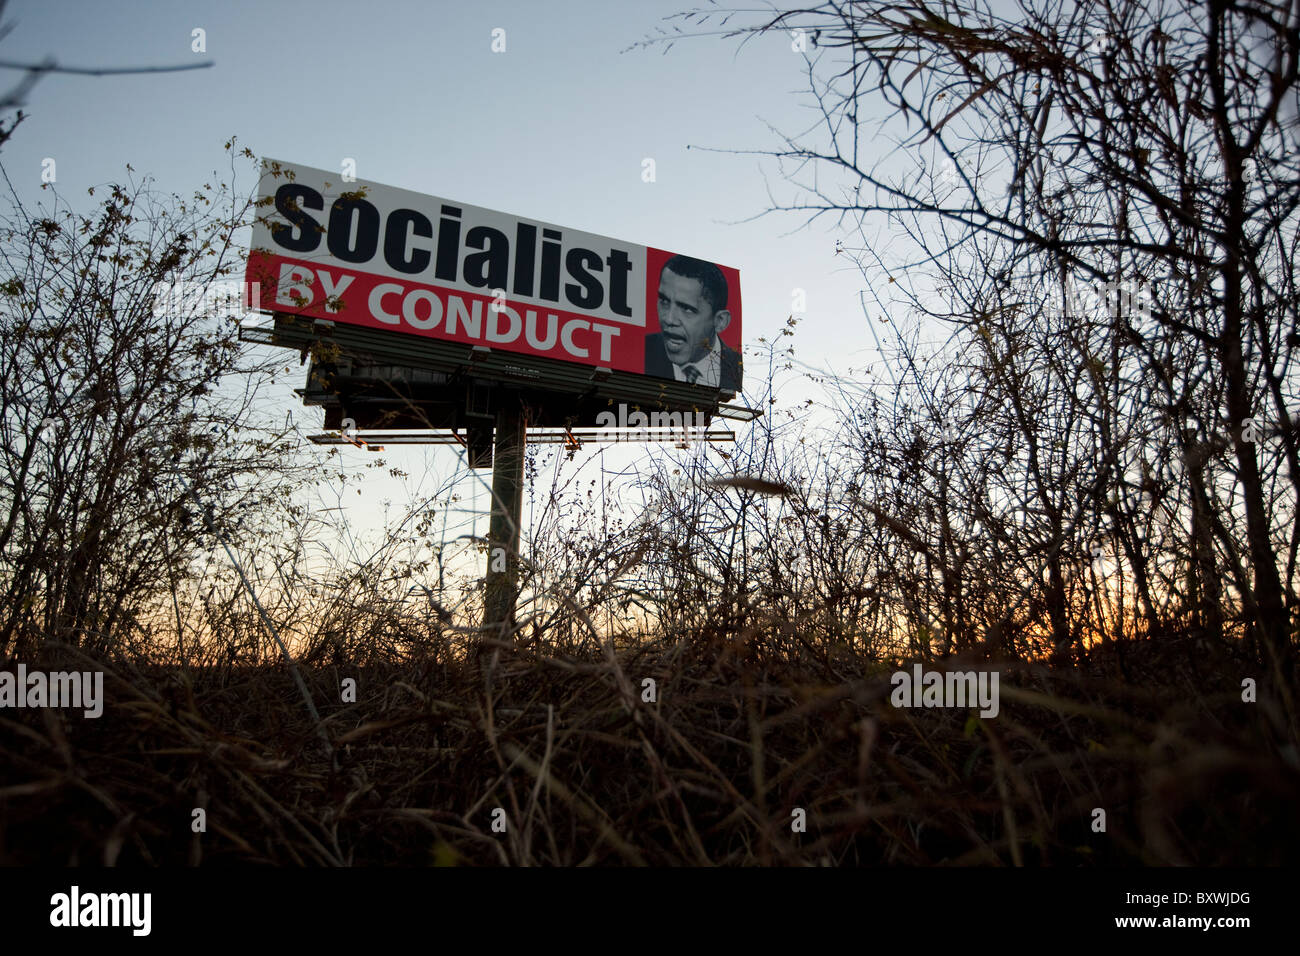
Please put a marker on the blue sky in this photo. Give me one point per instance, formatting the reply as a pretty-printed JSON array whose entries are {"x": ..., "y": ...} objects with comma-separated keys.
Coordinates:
[{"x": 555, "y": 128}]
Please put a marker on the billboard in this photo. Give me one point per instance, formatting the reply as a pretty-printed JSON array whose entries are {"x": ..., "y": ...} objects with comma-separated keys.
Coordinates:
[{"x": 384, "y": 258}]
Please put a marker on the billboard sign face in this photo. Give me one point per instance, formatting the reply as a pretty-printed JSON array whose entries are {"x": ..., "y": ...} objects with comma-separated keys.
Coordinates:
[{"x": 386, "y": 258}]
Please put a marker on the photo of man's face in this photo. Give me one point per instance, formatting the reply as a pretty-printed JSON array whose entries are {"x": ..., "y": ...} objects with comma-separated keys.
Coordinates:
[{"x": 686, "y": 318}]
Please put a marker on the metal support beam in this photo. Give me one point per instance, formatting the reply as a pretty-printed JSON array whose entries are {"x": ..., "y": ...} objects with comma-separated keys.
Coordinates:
[{"x": 501, "y": 587}]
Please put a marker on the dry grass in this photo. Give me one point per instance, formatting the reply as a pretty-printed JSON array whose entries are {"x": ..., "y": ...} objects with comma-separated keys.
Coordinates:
[{"x": 589, "y": 773}]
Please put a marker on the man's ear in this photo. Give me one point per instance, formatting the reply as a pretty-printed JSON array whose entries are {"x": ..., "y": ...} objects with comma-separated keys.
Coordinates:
[{"x": 721, "y": 319}]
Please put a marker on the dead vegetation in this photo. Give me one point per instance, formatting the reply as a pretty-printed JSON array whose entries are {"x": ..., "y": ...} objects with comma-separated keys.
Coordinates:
[{"x": 587, "y": 771}]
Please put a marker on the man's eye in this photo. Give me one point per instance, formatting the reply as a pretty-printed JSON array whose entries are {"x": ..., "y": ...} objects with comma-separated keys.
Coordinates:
[{"x": 663, "y": 300}]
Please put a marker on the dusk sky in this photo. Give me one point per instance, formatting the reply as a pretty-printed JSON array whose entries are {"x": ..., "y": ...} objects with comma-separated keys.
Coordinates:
[{"x": 557, "y": 128}]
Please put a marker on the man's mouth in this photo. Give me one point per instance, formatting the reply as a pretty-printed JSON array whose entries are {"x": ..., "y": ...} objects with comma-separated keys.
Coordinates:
[{"x": 674, "y": 341}]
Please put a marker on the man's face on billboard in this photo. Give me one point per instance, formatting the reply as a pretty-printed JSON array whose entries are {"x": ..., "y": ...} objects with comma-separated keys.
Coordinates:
[{"x": 686, "y": 318}]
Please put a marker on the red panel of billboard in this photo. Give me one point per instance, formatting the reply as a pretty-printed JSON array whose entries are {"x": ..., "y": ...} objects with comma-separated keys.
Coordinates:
[{"x": 386, "y": 258}]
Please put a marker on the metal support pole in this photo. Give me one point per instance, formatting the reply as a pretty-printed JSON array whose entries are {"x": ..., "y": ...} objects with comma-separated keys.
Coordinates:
[{"x": 501, "y": 586}]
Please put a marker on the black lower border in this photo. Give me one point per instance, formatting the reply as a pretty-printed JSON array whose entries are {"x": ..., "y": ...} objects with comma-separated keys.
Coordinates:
[{"x": 987, "y": 907}]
